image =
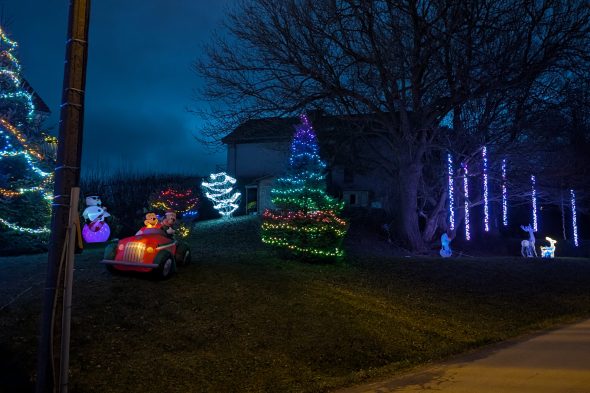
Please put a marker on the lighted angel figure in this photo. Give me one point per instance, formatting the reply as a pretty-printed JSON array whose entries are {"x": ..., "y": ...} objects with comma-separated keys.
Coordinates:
[
  {"x": 445, "y": 241},
  {"x": 527, "y": 247},
  {"x": 548, "y": 251}
]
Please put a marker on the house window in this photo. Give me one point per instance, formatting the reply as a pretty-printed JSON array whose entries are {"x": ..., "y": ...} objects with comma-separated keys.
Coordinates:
[{"x": 356, "y": 198}]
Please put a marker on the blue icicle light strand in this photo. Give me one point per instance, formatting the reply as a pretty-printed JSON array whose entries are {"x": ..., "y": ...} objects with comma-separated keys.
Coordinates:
[
  {"x": 451, "y": 193},
  {"x": 466, "y": 194},
  {"x": 486, "y": 211},
  {"x": 504, "y": 195},
  {"x": 574, "y": 217},
  {"x": 534, "y": 202}
]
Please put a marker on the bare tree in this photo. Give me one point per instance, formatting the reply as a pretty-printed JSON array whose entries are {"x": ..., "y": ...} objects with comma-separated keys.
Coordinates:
[{"x": 408, "y": 63}]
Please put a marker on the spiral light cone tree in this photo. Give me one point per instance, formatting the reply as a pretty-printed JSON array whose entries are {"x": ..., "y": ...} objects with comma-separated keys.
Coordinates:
[
  {"x": 305, "y": 220},
  {"x": 220, "y": 190}
]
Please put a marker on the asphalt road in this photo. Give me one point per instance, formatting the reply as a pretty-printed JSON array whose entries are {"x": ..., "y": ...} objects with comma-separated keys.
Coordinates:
[{"x": 553, "y": 362}]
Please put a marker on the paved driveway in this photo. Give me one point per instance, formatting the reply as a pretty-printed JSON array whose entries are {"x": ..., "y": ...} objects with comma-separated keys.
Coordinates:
[{"x": 553, "y": 362}]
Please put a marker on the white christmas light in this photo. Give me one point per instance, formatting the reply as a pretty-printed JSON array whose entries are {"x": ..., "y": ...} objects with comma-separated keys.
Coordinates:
[
  {"x": 451, "y": 193},
  {"x": 504, "y": 195},
  {"x": 220, "y": 194},
  {"x": 534, "y": 202},
  {"x": 466, "y": 194},
  {"x": 574, "y": 218},
  {"x": 486, "y": 212}
]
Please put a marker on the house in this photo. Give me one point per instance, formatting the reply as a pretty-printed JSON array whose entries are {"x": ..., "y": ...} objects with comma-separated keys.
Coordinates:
[{"x": 258, "y": 152}]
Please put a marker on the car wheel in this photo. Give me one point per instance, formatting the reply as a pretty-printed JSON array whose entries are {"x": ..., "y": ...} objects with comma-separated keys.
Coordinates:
[
  {"x": 183, "y": 254},
  {"x": 166, "y": 265},
  {"x": 110, "y": 253},
  {"x": 186, "y": 259}
]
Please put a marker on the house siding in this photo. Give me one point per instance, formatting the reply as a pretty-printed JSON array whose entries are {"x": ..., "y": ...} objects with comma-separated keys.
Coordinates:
[{"x": 256, "y": 159}]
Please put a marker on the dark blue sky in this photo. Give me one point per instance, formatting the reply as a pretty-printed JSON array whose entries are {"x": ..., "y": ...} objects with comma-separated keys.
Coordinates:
[{"x": 139, "y": 80}]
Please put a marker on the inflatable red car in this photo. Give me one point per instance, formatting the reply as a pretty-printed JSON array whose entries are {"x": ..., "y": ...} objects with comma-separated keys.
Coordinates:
[{"x": 151, "y": 251}]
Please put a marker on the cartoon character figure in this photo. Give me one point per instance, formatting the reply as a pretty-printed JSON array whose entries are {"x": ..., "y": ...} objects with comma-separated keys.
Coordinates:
[
  {"x": 96, "y": 229},
  {"x": 151, "y": 221},
  {"x": 445, "y": 241},
  {"x": 548, "y": 252},
  {"x": 167, "y": 223}
]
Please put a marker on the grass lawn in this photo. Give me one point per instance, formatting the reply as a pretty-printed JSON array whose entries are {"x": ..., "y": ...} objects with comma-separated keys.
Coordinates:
[{"x": 240, "y": 319}]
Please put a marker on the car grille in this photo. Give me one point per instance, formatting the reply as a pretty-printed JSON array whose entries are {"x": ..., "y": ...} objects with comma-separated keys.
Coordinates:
[{"x": 134, "y": 252}]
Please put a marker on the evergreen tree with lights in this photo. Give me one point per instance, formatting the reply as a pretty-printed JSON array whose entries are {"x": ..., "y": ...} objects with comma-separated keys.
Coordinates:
[
  {"x": 25, "y": 177},
  {"x": 305, "y": 220}
]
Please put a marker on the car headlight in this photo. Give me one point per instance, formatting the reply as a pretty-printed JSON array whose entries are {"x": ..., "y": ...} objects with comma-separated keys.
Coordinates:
[
  {"x": 150, "y": 250},
  {"x": 121, "y": 247}
]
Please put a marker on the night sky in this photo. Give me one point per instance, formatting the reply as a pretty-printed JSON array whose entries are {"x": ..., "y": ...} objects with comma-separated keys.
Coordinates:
[{"x": 139, "y": 83}]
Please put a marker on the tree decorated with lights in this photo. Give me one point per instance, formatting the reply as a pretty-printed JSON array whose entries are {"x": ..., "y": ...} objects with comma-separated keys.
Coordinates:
[
  {"x": 25, "y": 180},
  {"x": 220, "y": 190},
  {"x": 305, "y": 220},
  {"x": 183, "y": 201}
]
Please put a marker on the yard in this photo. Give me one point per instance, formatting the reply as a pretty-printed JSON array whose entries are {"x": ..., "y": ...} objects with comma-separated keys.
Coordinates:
[{"x": 241, "y": 319}]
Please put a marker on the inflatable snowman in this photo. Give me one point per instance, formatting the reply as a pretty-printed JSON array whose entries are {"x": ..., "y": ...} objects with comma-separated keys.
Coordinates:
[{"x": 96, "y": 230}]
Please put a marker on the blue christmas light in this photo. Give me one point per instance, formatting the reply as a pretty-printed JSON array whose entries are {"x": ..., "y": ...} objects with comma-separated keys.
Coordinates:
[
  {"x": 11, "y": 135},
  {"x": 486, "y": 213},
  {"x": 534, "y": 203},
  {"x": 504, "y": 195},
  {"x": 574, "y": 218},
  {"x": 466, "y": 194},
  {"x": 451, "y": 193}
]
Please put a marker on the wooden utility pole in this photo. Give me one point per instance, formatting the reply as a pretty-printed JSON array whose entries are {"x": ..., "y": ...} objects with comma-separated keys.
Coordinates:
[{"x": 67, "y": 175}]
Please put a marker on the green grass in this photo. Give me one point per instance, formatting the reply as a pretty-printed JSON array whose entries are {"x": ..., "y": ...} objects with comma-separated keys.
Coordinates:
[{"x": 241, "y": 319}]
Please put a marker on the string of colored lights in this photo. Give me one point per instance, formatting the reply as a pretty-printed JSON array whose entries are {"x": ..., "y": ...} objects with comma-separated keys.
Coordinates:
[
  {"x": 306, "y": 219},
  {"x": 466, "y": 195},
  {"x": 504, "y": 195},
  {"x": 15, "y": 93},
  {"x": 574, "y": 217},
  {"x": 11, "y": 71},
  {"x": 534, "y": 202},
  {"x": 451, "y": 192},
  {"x": 486, "y": 212},
  {"x": 182, "y": 202},
  {"x": 219, "y": 190}
]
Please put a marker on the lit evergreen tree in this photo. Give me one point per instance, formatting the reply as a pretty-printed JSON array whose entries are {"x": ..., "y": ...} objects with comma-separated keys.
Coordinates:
[
  {"x": 25, "y": 179},
  {"x": 306, "y": 220}
]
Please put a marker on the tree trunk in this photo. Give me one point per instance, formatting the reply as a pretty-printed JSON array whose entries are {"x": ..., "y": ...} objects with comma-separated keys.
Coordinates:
[
  {"x": 435, "y": 219},
  {"x": 408, "y": 196}
]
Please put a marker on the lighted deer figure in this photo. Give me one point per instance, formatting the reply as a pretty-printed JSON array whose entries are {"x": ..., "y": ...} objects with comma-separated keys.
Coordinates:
[
  {"x": 549, "y": 252},
  {"x": 528, "y": 246}
]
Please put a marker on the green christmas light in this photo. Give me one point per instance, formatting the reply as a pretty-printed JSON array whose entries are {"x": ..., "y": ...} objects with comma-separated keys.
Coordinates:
[{"x": 306, "y": 220}]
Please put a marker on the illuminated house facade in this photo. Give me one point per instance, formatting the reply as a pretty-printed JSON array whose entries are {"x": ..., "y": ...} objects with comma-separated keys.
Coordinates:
[{"x": 258, "y": 151}]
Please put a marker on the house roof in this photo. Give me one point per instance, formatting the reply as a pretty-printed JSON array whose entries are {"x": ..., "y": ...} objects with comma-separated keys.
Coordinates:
[{"x": 278, "y": 129}]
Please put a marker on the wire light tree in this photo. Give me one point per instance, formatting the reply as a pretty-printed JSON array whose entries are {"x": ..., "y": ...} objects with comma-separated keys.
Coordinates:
[
  {"x": 306, "y": 220},
  {"x": 220, "y": 190}
]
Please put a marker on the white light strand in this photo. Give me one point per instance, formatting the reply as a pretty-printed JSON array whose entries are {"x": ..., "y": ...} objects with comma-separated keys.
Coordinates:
[
  {"x": 220, "y": 194},
  {"x": 534, "y": 202},
  {"x": 504, "y": 195},
  {"x": 451, "y": 193},
  {"x": 574, "y": 217},
  {"x": 486, "y": 211},
  {"x": 466, "y": 194}
]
